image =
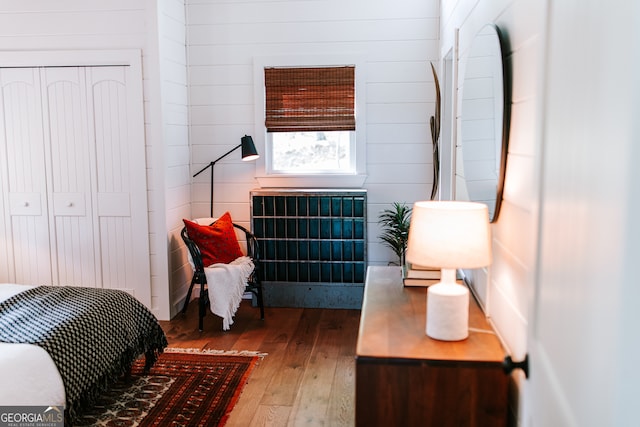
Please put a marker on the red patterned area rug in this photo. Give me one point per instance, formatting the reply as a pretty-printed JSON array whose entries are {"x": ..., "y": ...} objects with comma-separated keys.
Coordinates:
[{"x": 184, "y": 388}]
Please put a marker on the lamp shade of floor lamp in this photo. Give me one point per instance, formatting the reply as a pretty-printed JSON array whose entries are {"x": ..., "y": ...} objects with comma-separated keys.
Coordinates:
[
  {"x": 449, "y": 235},
  {"x": 249, "y": 153}
]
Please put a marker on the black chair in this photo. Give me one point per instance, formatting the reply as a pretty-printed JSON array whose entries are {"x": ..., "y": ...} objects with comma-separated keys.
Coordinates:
[{"x": 254, "y": 285}]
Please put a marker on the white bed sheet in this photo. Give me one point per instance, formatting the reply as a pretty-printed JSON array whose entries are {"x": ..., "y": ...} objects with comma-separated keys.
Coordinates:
[{"x": 29, "y": 376}]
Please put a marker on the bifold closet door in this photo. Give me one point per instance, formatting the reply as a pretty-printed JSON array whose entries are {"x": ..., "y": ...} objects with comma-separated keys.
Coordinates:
[
  {"x": 116, "y": 120},
  {"x": 71, "y": 164},
  {"x": 24, "y": 247},
  {"x": 89, "y": 177}
]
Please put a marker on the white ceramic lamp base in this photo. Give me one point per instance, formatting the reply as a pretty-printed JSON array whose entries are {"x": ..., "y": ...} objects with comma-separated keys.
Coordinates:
[{"x": 448, "y": 312}]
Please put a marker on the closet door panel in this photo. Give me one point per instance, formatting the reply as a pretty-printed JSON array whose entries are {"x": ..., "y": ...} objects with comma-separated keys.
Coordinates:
[
  {"x": 26, "y": 244},
  {"x": 71, "y": 176},
  {"x": 120, "y": 180}
]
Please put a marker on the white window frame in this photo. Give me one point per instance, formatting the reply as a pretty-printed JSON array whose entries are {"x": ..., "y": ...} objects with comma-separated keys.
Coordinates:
[
  {"x": 352, "y": 164},
  {"x": 264, "y": 174}
]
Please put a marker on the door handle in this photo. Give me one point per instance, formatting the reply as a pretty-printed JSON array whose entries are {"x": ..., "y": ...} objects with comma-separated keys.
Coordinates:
[{"x": 508, "y": 365}]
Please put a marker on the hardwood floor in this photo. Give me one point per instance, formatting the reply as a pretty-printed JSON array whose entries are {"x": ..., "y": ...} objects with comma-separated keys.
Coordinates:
[{"x": 308, "y": 375}]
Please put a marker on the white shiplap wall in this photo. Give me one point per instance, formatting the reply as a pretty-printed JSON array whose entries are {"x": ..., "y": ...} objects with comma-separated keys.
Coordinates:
[
  {"x": 73, "y": 24},
  {"x": 172, "y": 40},
  {"x": 397, "y": 41},
  {"x": 505, "y": 290}
]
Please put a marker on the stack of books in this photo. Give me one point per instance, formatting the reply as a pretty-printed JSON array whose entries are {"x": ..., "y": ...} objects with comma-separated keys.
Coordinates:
[{"x": 416, "y": 275}]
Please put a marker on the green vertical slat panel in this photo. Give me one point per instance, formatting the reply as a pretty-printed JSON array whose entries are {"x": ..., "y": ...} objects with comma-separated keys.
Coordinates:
[
  {"x": 325, "y": 272},
  {"x": 325, "y": 228},
  {"x": 347, "y": 250},
  {"x": 314, "y": 228},
  {"x": 281, "y": 229},
  {"x": 280, "y": 203},
  {"x": 269, "y": 228},
  {"x": 325, "y": 206},
  {"x": 336, "y": 273},
  {"x": 258, "y": 227},
  {"x": 269, "y": 271},
  {"x": 314, "y": 250},
  {"x": 358, "y": 229},
  {"x": 303, "y": 272},
  {"x": 268, "y": 205},
  {"x": 336, "y": 251},
  {"x": 314, "y": 209},
  {"x": 359, "y": 273},
  {"x": 303, "y": 203},
  {"x": 347, "y": 272},
  {"x": 269, "y": 249},
  {"x": 314, "y": 272},
  {"x": 258, "y": 206},
  {"x": 336, "y": 206},
  {"x": 347, "y": 207},
  {"x": 291, "y": 206},
  {"x": 336, "y": 228},
  {"x": 325, "y": 250},
  {"x": 358, "y": 207},
  {"x": 303, "y": 228},
  {"x": 347, "y": 228},
  {"x": 281, "y": 250},
  {"x": 292, "y": 228},
  {"x": 281, "y": 272},
  {"x": 358, "y": 254},
  {"x": 303, "y": 250},
  {"x": 292, "y": 273}
]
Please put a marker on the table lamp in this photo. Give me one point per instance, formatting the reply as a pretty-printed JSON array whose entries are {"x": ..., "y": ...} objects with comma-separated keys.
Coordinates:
[{"x": 449, "y": 235}]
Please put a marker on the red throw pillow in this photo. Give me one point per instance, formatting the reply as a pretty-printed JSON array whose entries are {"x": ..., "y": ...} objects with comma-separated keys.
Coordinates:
[{"x": 217, "y": 242}]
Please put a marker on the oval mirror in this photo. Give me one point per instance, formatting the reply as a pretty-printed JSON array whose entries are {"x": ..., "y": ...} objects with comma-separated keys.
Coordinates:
[{"x": 484, "y": 121}]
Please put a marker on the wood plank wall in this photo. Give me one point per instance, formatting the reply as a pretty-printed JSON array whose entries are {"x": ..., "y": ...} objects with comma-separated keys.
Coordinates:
[{"x": 397, "y": 40}]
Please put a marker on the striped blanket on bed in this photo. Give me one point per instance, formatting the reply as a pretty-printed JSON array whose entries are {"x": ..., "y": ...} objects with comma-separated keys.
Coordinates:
[{"x": 92, "y": 335}]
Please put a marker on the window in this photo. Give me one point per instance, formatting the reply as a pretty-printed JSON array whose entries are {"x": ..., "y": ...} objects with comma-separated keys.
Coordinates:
[{"x": 310, "y": 119}]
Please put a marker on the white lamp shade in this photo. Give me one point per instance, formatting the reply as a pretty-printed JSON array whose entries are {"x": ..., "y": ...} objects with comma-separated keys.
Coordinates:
[{"x": 449, "y": 235}]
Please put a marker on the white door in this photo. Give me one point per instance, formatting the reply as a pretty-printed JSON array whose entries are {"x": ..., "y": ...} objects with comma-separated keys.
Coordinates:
[
  {"x": 78, "y": 143},
  {"x": 68, "y": 150},
  {"x": 584, "y": 343},
  {"x": 120, "y": 193},
  {"x": 25, "y": 225}
]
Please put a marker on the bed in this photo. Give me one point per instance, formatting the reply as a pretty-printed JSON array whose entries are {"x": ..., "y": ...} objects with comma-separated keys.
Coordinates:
[{"x": 63, "y": 346}]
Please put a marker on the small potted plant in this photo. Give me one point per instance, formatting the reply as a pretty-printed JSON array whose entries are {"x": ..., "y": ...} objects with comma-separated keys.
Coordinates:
[{"x": 395, "y": 228}]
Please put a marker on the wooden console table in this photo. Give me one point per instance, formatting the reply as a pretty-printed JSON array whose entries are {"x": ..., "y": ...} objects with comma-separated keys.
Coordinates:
[{"x": 404, "y": 378}]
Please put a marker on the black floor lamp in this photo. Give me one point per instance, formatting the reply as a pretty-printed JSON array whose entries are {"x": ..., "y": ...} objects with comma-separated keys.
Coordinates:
[{"x": 249, "y": 153}]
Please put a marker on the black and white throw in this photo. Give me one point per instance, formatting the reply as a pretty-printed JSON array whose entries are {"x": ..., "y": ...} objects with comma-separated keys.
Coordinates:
[{"x": 92, "y": 335}]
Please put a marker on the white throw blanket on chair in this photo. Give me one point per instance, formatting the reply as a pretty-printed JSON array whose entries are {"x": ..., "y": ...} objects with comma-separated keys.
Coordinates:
[{"x": 226, "y": 284}]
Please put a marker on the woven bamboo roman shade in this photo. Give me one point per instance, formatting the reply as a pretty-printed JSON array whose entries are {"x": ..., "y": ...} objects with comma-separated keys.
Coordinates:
[{"x": 310, "y": 99}]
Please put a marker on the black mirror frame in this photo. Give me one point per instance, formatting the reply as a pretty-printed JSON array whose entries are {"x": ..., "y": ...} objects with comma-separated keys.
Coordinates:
[
  {"x": 506, "y": 121},
  {"x": 506, "y": 117}
]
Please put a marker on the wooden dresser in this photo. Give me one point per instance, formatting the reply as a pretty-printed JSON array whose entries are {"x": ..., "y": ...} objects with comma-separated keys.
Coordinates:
[{"x": 404, "y": 378}]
